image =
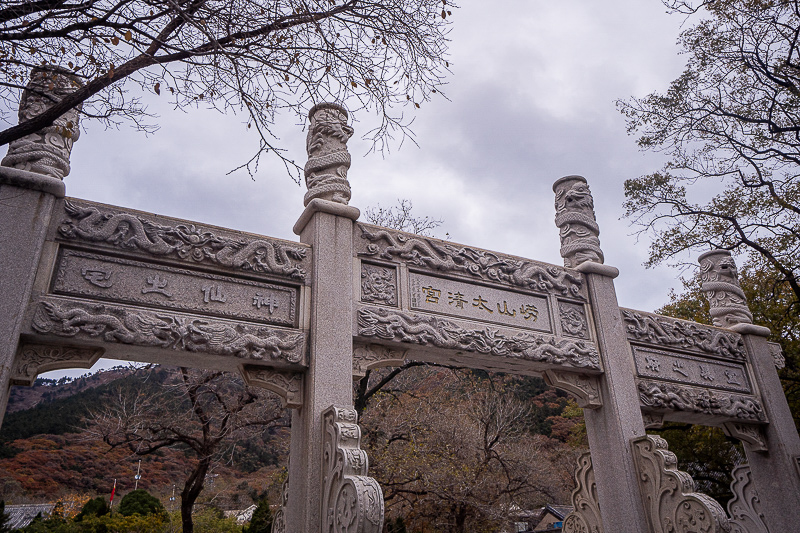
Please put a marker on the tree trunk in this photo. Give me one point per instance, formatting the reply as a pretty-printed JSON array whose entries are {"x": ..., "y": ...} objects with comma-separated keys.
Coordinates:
[{"x": 191, "y": 490}]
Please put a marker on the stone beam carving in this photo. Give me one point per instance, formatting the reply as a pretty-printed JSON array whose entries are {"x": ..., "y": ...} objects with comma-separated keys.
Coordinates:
[
  {"x": 351, "y": 501},
  {"x": 328, "y": 159},
  {"x": 440, "y": 256},
  {"x": 776, "y": 351},
  {"x": 576, "y": 222},
  {"x": 168, "y": 331},
  {"x": 393, "y": 325},
  {"x": 288, "y": 385},
  {"x": 183, "y": 241},
  {"x": 752, "y": 435},
  {"x": 653, "y": 420},
  {"x": 674, "y": 397},
  {"x": 672, "y": 333},
  {"x": 586, "y": 389},
  {"x": 720, "y": 283},
  {"x": 745, "y": 506},
  {"x": 47, "y": 151},
  {"x": 369, "y": 356},
  {"x": 586, "y": 516},
  {"x": 669, "y": 494},
  {"x": 33, "y": 359}
]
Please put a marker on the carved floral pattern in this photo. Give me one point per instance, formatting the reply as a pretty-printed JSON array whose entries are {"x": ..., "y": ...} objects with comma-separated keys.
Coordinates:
[
  {"x": 586, "y": 516},
  {"x": 34, "y": 359},
  {"x": 669, "y": 495},
  {"x": 328, "y": 159},
  {"x": 352, "y": 502},
  {"x": 146, "y": 328},
  {"x": 573, "y": 320},
  {"x": 440, "y": 256},
  {"x": 378, "y": 284},
  {"x": 776, "y": 351},
  {"x": 425, "y": 330},
  {"x": 720, "y": 283},
  {"x": 745, "y": 506},
  {"x": 671, "y": 396},
  {"x": 672, "y": 333},
  {"x": 576, "y": 222},
  {"x": 185, "y": 242},
  {"x": 47, "y": 151}
]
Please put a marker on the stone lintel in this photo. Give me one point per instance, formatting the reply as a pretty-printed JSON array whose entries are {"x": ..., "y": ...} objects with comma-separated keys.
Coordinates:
[
  {"x": 592, "y": 267},
  {"x": 751, "y": 329},
  {"x": 32, "y": 180},
  {"x": 325, "y": 206}
]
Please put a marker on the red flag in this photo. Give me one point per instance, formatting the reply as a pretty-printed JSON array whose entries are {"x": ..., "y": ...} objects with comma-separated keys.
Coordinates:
[{"x": 113, "y": 490}]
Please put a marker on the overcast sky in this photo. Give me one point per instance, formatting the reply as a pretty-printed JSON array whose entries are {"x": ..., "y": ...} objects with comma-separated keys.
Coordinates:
[{"x": 531, "y": 99}]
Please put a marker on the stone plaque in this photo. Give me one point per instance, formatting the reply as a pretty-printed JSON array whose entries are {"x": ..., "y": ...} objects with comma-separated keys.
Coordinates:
[
  {"x": 708, "y": 373},
  {"x": 121, "y": 280},
  {"x": 477, "y": 302}
]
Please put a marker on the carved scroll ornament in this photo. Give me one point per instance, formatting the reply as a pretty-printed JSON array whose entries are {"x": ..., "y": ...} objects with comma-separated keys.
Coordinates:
[
  {"x": 720, "y": 283},
  {"x": 279, "y": 520},
  {"x": 173, "y": 332},
  {"x": 673, "y": 333},
  {"x": 745, "y": 506},
  {"x": 33, "y": 359},
  {"x": 586, "y": 516},
  {"x": 440, "y": 256},
  {"x": 184, "y": 242},
  {"x": 352, "y": 502},
  {"x": 287, "y": 385},
  {"x": 432, "y": 331},
  {"x": 328, "y": 159},
  {"x": 576, "y": 222},
  {"x": 47, "y": 151},
  {"x": 669, "y": 494},
  {"x": 675, "y": 397}
]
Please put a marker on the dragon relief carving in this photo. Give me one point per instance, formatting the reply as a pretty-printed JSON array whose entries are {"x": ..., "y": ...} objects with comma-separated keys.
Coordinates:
[
  {"x": 675, "y": 397},
  {"x": 576, "y": 222},
  {"x": 425, "y": 330},
  {"x": 352, "y": 502},
  {"x": 586, "y": 515},
  {"x": 378, "y": 284},
  {"x": 146, "y": 328},
  {"x": 745, "y": 506},
  {"x": 328, "y": 158},
  {"x": 440, "y": 256},
  {"x": 33, "y": 359},
  {"x": 669, "y": 495},
  {"x": 46, "y": 151},
  {"x": 720, "y": 283},
  {"x": 186, "y": 242},
  {"x": 673, "y": 333}
]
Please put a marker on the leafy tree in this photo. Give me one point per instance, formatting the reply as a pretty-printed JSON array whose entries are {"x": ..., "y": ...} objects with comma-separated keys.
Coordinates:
[
  {"x": 94, "y": 507},
  {"x": 140, "y": 502},
  {"x": 202, "y": 413},
  {"x": 261, "y": 522},
  {"x": 248, "y": 55},
  {"x": 730, "y": 126}
]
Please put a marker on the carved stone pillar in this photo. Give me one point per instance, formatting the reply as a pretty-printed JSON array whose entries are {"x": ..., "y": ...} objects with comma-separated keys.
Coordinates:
[
  {"x": 616, "y": 418},
  {"x": 774, "y": 454},
  {"x": 47, "y": 151},
  {"x": 327, "y": 225},
  {"x": 720, "y": 283},
  {"x": 30, "y": 183}
]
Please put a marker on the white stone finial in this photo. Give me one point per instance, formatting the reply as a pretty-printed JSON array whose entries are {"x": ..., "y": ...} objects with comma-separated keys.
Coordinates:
[
  {"x": 328, "y": 159},
  {"x": 575, "y": 219},
  {"x": 47, "y": 151},
  {"x": 720, "y": 283}
]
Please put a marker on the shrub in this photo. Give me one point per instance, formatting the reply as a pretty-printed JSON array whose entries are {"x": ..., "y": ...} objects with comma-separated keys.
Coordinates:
[{"x": 140, "y": 502}]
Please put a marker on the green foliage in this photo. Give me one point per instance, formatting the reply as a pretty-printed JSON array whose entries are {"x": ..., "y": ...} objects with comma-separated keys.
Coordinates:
[
  {"x": 140, "y": 502},
  {"x": 398, "y": 525},
  {"x": 211, "y": 520},
  {"x": 262, "y": 518},
  {"x": 94, "y": 507}
]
